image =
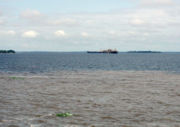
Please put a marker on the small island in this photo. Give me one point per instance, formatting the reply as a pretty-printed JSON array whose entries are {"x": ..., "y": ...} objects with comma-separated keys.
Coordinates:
[
  {"x": 7, "y": 51},
  {"x": 143, "y": 52}
]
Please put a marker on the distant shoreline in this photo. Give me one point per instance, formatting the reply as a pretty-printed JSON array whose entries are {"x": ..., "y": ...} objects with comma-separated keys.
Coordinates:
[
  {"x": 85, "y": 51},
  {"x": 7, "y": 51},
  {"x": 144, "y": 52}
]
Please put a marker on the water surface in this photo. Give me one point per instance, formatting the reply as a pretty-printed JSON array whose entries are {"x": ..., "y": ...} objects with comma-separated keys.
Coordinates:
[{"x": 36, "y": 62}]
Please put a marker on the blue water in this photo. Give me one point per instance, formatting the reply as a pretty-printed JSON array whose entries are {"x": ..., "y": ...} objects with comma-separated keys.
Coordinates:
[{"x": 39, "y": 62}]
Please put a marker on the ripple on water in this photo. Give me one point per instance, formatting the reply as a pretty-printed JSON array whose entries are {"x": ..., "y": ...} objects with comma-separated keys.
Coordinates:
[{"x": 141, "y": 99}]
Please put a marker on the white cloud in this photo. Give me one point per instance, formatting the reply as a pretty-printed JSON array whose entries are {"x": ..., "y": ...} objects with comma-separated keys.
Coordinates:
[
  {"x": 11, "y": 32},
  {"x": 156, "y": 2},
  {"x": 30, "y": 34},
  {"x": 84, "y": 34},
  {"x": 1, "y": 22},
  {"x": 31, "y": 14},
  {"x": 132, "y": 33},
  {"x": 63, "y": 21},
  {"x": 156, "y": 24},
  {"x": 146, "y": 34},
  {"x": 137, "y": 21},
  {"x": 112, "y": 32},
  {"x": 60, "y": 33}
]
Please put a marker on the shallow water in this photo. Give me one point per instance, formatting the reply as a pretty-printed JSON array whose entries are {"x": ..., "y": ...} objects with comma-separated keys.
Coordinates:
[{"x": 95, "y": 98}]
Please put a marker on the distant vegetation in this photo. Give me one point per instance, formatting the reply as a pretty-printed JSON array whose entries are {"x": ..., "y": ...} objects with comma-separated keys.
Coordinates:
[
  {"x": 144, "y": 52},
  {"x": 7, "y": 51}
]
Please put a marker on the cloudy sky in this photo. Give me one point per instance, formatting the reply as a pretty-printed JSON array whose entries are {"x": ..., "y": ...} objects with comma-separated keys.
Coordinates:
[{"x": 80, "y": 25}]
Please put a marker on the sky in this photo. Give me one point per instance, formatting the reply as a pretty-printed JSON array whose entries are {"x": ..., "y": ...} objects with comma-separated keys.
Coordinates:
[{"x": 81, "y": 25}]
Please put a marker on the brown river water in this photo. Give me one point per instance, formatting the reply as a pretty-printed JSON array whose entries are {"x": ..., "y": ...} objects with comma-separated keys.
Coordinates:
[{"x": 95, "y": 98}]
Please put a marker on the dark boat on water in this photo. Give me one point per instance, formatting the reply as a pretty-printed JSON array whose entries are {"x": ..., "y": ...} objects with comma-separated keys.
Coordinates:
[{"x": 104, "y": 51}]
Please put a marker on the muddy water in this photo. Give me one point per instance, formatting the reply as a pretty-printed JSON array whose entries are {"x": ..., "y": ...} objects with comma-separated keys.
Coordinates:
[{"x": 95, "y": 98}]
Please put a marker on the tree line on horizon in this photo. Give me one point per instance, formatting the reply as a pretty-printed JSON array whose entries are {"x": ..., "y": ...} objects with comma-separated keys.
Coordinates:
[{"x": 7, "y": 51}]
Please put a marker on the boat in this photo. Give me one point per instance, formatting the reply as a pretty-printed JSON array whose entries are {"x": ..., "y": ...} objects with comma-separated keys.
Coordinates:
[{"x": 110, "y": 51}]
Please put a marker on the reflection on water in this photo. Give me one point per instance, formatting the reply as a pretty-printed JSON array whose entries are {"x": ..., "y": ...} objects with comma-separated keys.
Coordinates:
[{"x": 96, "y": 99}]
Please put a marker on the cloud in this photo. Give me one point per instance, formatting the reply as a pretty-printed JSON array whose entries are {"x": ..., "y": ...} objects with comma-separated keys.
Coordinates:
[
  {"x": 112, "y": 32},
  {"x": 152, "y": 20},
  {"x": 137, "y": 21},
  {"x": 31, "y": 14},
  {"x": 84, "y": 34},
  {"x": 30, "y": 34},
  {"x": 1, "y": 22},
  {"x": 11, "y": 32},
  {"x": 3, "y": 18},
  {"x": 63, "y": 21},
  {"x": 60, "y": 33},
  {"x": 156, "y": 2},
  {"x": 132, "y": 33}
]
